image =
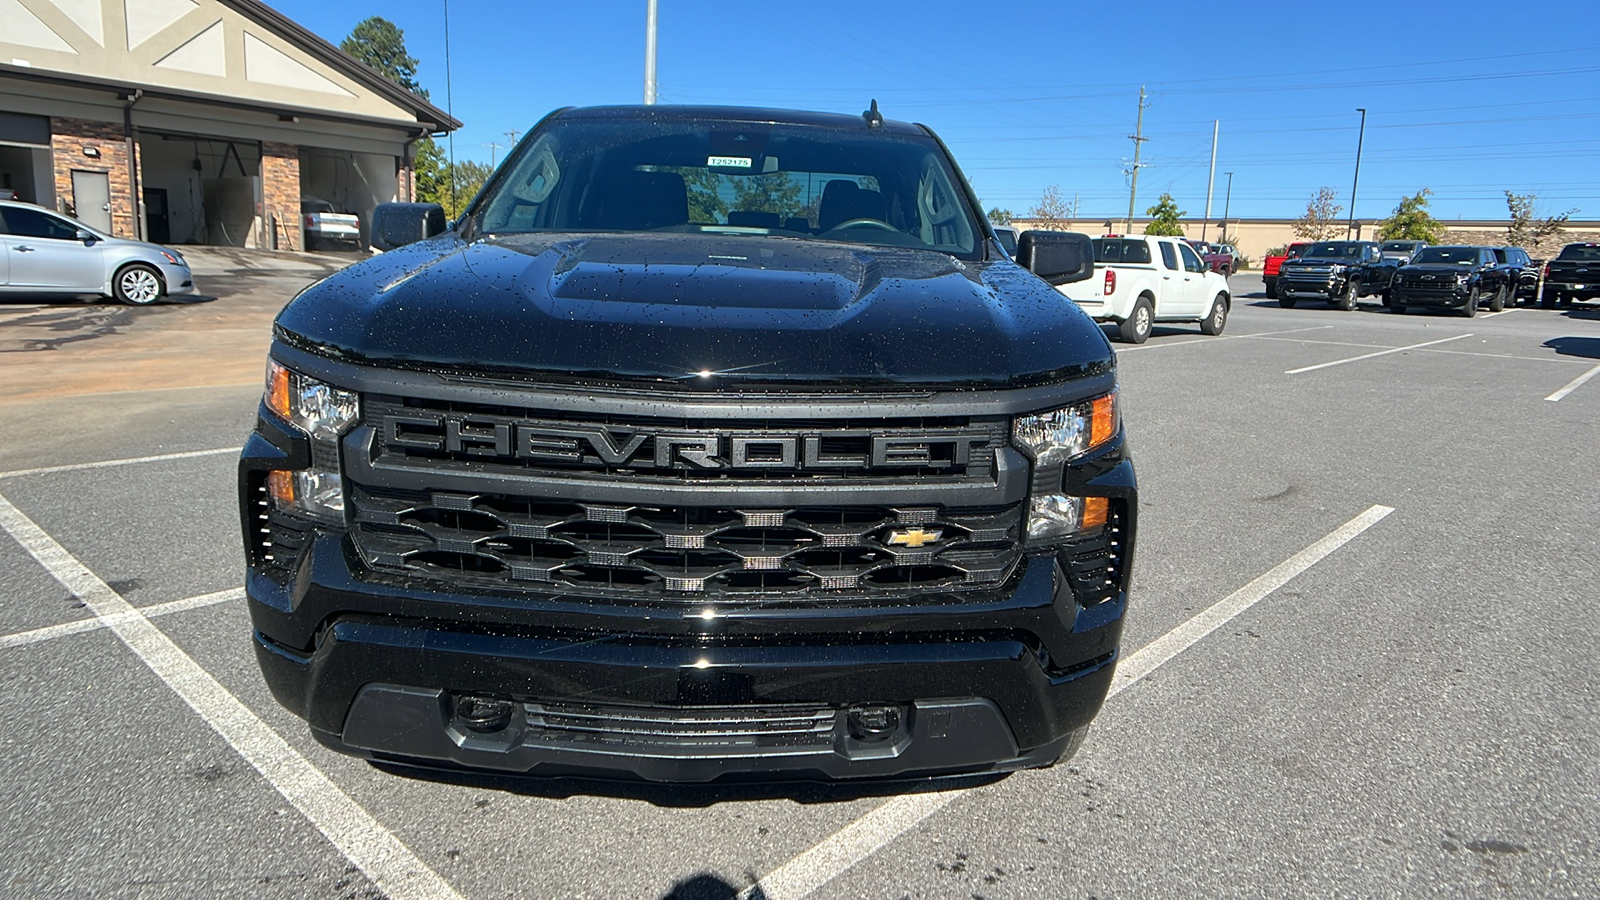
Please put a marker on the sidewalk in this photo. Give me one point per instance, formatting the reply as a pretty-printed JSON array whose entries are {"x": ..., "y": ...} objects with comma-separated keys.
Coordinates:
[{"x": 225, "y": 261}]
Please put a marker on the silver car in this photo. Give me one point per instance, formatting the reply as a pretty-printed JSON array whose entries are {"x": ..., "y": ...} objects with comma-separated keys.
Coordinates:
[{"x": 42, "y": 252}]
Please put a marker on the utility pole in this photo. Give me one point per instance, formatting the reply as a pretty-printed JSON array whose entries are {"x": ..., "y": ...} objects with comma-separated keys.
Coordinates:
[
  {"x": 1360, "y": 139},
  {"x": 1211, "y": 180},
  {"x": 650, "y": 52},
  {"x": 1138, "y": 141},
  {"x": 512, "y": 135},
  {"x": 492, "y": 148},
  {"x": 1226, "y": 203}
]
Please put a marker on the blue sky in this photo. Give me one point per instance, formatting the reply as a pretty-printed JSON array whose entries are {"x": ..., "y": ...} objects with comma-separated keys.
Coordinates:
[{"x": 1466, "y": 98}]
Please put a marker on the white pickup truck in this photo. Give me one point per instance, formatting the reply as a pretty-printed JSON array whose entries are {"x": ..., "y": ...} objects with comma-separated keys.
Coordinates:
[{"x": 1139, "y": 281}]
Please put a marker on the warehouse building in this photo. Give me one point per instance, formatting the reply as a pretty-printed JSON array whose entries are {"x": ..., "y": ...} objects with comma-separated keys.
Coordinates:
[{"x": 196, "y": 121}]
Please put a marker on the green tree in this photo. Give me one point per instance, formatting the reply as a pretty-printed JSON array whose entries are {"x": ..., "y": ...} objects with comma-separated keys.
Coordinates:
[
  {"x": 470, "y": 176},
  {"x": 381, "y": 44},
  {"x": 705, "y": 198},
  {"x": 1527, "y": 230},
  {"x": 1164, "y": 218},
  {"x": 1321, "y": 217},
  {"x": 1411, "y": 221},
  {"x": 998, "y": 216}
]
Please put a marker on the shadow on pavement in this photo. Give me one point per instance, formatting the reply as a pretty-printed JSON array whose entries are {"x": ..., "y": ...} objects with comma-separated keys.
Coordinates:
[
  {"x": 686, "y": 796},
  {"x": 1587, "y": 347},
  {"x": 706, "y": 886}
]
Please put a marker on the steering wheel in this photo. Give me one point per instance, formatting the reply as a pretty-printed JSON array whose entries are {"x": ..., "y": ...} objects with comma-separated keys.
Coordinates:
[{"x": 864, "y": 222}]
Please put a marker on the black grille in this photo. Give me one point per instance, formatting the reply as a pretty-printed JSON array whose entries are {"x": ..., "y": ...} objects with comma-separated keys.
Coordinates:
[
  {"x": 686, "y": 553},
  {"x": 525, "y": 441},
  {"x": 1095, "y": 565},
  {"x": 671, "y": 731}
]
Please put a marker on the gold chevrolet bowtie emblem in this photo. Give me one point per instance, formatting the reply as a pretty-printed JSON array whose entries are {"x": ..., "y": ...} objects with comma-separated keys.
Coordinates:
[{"x": 915, "y": 537}]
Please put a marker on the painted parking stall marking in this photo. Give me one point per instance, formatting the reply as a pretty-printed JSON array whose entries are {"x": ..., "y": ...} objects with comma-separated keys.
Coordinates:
[
  {"x": 51, "y": 632},
  {"x": 110, "y": 463},
  {"x": 391, "y": 866},
  {"x": 1574, "y": 384},
  {"x": 803, "y": 875},
  {"x": 1340, "y": 362}
]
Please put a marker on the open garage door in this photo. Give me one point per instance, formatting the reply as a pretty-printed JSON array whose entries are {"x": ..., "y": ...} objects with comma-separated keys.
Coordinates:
[
  {"x": 26, "y": 171},
  {"x": 350, "y": 182},
  {"x": 209, "y": 189}
]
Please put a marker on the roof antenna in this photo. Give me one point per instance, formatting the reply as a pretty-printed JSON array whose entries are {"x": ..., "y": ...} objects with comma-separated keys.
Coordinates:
[{"x": 873, "y": 117}]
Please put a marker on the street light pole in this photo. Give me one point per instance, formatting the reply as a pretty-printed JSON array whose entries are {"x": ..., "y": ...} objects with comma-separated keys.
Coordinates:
[
  {"x": 1227, "y": 203},
  {"x": 650, "y": 53},
  {"x": 1360, "y": 139}
]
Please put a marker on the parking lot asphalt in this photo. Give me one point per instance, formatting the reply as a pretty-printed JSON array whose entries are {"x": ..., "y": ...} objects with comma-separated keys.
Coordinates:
[{"x": 1359, "y": 658}]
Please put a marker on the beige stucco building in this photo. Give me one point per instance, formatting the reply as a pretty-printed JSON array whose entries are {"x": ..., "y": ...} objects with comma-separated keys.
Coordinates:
[{"x": 196, "y": 121}]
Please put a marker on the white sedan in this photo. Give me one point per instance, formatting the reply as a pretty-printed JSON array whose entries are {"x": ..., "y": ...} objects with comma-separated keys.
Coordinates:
[{"x": 42, "y": 252}]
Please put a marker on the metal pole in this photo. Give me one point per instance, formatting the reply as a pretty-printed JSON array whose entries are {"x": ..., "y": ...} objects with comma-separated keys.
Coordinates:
[
  {"x": 1138, "y": 141},
  {"x": 1226, "y": 204},
  {"x": 1350, "y": 227},
  {"x": 650, "y": 53},
  {"x": 1211, "y": 180}
]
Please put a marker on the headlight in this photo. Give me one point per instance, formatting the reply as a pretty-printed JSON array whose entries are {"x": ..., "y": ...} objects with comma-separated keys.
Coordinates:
[
  {"x": 1051, "y": 439},
  {"x": 323, "y": 412},
  {"x": 174, "y": 257},
  {"x": 1054, "y": 437}
]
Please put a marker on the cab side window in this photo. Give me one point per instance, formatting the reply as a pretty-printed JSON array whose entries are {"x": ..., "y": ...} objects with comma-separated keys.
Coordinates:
[
  {"x": 35, "y": 224},
  {"x": 1191, "y": 262},
  {"x": 1169, "y": 258}
]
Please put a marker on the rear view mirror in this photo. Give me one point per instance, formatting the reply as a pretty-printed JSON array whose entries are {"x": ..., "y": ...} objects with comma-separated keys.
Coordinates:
[
  {"x": 1059, "y": 257},
  {"x": 87, "y": 237},
  {"x": 398, "y": 224}
]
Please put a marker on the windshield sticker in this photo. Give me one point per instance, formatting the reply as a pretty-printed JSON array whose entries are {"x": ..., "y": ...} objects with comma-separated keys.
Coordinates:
[{"x": 729, "y": 162}]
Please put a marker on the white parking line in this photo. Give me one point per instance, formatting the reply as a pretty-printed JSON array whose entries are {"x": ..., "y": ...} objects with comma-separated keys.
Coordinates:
[
  {"x": 393, "y": 868},
  {"x": 108, "y": 463},
  {"x": 800, "y": 876},
  {"x": 1574, "y": 384},
  {"x": 1340, "y": 362},
  {"x": 1502, "y": 312},
  {"x": 51, "y": 632}
]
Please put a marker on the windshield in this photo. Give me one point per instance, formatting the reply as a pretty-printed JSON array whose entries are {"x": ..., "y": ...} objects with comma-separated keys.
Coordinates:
[
  {"x": 1334, "y": 249},
  {"x": 1457, "y": 256},
  {"x": 1121, "y": 250},
  {"x": 724, "y": 177},
  {"x": 1586, "y": 252},
  {"x": 1403, "y": 246},
  {"x": 1007, "y": 238}
]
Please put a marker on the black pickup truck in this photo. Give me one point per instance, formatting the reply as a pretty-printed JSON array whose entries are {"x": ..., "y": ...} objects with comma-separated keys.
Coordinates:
[
  {"x": 709, "y": 443},
  {"x": 1461, "y": 278},
  {"x": 1337, "y": 272},
  {"x": 1574, "y": 274}
]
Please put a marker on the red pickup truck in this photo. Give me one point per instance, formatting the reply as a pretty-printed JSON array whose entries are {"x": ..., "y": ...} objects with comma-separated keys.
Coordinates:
[{"x": 1269, "y": 268}]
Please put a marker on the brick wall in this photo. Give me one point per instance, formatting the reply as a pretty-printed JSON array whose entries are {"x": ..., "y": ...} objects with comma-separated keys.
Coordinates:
[
  {"x": 68, "y": 139},
  {"x": 280, "y": 193}
]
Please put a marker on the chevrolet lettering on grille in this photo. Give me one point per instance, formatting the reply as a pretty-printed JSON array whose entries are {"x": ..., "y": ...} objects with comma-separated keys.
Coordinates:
[{"x": 594, "y": 445}]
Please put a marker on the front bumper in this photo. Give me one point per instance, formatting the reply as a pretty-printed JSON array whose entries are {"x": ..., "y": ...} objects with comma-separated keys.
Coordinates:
[
  {"x": 980, "y": 686},
  {"x": 1320, "y": 288},
  {"x": 179, "y": 280},
  {"x": 1448, "y": 299}
]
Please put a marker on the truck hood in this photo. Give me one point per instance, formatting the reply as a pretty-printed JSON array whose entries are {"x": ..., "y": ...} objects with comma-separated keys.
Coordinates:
[
  {"x": 1322, "y": 261},
  {"x": 678, "y": 309}
]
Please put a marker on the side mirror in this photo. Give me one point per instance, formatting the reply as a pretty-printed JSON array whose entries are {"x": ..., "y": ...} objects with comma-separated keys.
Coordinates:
[
  {"x": 88, "y": 238},
  {"x": 398, "y": 224},
  {"x": 1059, "y": 257}
]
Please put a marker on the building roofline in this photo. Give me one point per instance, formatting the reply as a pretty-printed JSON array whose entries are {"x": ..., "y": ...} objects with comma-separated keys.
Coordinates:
[
  {"x": 126, "y": 88},
  {"x": 328, "y": 53}
]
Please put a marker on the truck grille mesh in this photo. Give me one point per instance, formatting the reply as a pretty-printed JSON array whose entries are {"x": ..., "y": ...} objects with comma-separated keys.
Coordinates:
[
  {"x": 685, "y": 553},
  {"x": 686, "y": 731}
]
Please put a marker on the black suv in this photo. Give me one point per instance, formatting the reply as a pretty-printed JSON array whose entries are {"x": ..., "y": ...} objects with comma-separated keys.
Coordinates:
[
  {"x": 1337, "y": 272},
  {"x": 710, "y": 442},
  {"x": 1519, "y": 275},
  {"x": 1460, "y": 278}
]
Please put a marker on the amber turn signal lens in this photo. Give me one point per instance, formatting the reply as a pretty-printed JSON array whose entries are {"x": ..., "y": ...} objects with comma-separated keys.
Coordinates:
[
  {"x": 1103, "y": 419},
  {"x": 280, "y": 486},
  {"x": 278, "y": 390},
  {"x": 1095, "y": 511}
]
